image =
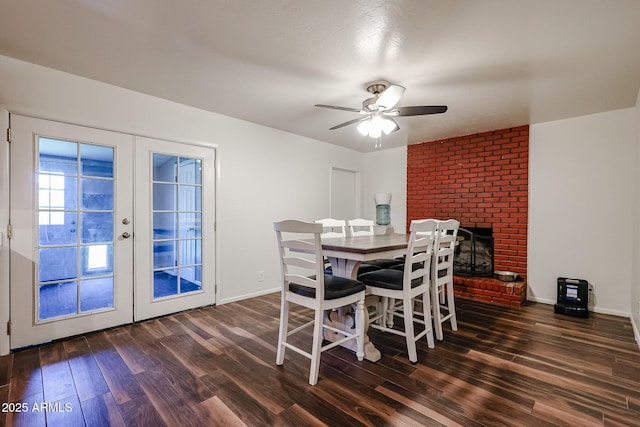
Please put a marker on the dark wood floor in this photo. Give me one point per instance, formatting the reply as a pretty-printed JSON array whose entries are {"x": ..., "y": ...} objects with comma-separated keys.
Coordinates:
[{"x": 215, "y": 366}]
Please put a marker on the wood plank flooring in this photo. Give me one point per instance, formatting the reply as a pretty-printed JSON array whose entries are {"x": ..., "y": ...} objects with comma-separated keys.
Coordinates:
[{"x": 216, "y": 366}]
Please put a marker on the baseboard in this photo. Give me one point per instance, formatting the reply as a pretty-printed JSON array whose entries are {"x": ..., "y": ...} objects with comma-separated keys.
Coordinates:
[
  {"x": 246, "y": 296},
  {"x": 592, "y": 309}
]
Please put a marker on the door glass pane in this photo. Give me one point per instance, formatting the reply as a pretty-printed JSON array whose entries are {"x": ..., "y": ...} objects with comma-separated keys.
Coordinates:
[
  {"x": 96, "y": 160},
  {"x": 96, "y": 294},
  {"x": 165, "y": 225},
  {"x": 190, "y": 198},
  {"x": 190, "y": 251},
  {"x": 190, "y": 225},
  {"x": 164, "y": 254},
  {"x": 97, "y": 194},
  {"x": 58, "y": 264},
  {"x": 177, "y": 225},
  {"x": 56, "y": 156},
  {"x": 57, "y": 227},
  {"x": 190, "y": 171},
  {"x": 164, "y": 168},
  {"x": 97, "y": 227},
  {"x": 165, "y": 197},
  {"x": 76, "y": 240},
  {"x": 58, "y": 299},
  {"x": 96, "y": 260},
  {"x": 165, "y": 283}
]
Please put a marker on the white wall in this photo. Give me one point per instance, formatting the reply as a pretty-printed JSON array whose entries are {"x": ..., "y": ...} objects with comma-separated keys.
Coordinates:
[
  {"x": 386, "y": 172},
  {"x": 264, "y": 174},
  {"x": 582, "y": 207}
]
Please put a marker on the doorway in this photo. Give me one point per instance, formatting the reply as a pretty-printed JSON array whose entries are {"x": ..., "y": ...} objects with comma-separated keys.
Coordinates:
[
  {"x": 83, "y": 236},
  {"x": 345, "y": 193}
]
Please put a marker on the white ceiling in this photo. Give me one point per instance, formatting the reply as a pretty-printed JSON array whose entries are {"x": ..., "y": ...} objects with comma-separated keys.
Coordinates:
[{"x": 495, "y": 63}]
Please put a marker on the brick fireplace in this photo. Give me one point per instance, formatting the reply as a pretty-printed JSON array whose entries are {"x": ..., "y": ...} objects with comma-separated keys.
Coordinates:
[{"x": 482, "y": 181}]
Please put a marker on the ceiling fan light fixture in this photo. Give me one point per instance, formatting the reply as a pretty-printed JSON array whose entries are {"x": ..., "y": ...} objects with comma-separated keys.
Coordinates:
[
  {"x": 364, "y": 127},
  {"x": 375, "y": 126},
  {"x": 389, "y": 126},
  {"x": 375, "y": 132}
]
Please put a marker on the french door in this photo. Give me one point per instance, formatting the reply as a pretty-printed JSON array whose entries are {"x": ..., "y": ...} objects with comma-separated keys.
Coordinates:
[
  {"x": 174, "y": 214},
  {"x": 77, "y": 262}
]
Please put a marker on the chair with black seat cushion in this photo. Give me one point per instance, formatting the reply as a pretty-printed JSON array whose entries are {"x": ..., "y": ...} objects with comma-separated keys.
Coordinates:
[
  {"x": 304, "y": 283},
  {"x": 442, "y": 297},
  {"x": 406, "y": 285}
]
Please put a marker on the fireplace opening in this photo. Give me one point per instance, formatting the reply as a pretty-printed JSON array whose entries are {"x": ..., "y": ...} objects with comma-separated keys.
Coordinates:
[{"x": 474, "y": 252}]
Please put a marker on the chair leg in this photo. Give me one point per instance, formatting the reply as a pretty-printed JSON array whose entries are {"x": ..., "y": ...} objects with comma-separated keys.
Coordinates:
[
  {"x": 374, "y": 301},
  {"x": 426, "y": 315},
  {"x": 389, "y": 316},
  {"x": 380, "y": 310},
  {"x": 452, "y": 306},
  {"x": 282, "y": 334},
  {"x": 407, "y": 308},
  {"x": 435, "y": 312},
  {"x": 386, "y": 319},
  {"x": 360, "y": 326},
  {"x": 316, "y": 347}
]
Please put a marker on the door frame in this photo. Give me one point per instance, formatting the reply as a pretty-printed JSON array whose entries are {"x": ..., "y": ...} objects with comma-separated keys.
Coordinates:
[{"x": 5, "y": 343}]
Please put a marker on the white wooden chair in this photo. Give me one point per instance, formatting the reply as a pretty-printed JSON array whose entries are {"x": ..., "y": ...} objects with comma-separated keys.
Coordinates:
[
  {"x": 406, "y": 285},
  {"x": 360, "y": 227},
  {"x": 333, "y": 227},
  {"x": 304, "y": 283},
  {"x": 442, "y": 298}
]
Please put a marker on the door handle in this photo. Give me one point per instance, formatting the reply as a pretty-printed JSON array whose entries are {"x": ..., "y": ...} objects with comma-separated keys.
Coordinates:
[{"x": 126, "y": 235}]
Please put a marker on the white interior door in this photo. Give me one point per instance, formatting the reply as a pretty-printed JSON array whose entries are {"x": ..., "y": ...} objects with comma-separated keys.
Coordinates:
[
  {"x": 345, "y": 194},
  {"x": 71, "y": 257},
  {"x": 174, "y": 210}
]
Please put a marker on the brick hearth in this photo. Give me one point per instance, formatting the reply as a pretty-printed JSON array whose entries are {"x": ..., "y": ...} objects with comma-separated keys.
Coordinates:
[
  {"x": 490, "y": 290},
  {"x": 482, "y": 181}
]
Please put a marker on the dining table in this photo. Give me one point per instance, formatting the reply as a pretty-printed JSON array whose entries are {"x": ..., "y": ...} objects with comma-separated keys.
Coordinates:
[{"x": 346, "y": 254}]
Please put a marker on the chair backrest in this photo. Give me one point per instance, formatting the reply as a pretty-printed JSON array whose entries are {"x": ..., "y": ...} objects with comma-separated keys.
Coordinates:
[
  {"x": 445, "y": 244},
  {"x": 360, "y": 227},
  {"x": 417, "y": 262},
  {"x": 300, "y": 249},
  {"x": 333, "y": 227}
]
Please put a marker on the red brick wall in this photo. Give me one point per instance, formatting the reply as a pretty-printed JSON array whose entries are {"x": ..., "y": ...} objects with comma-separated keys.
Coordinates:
[{"x": 482, "y": 181}]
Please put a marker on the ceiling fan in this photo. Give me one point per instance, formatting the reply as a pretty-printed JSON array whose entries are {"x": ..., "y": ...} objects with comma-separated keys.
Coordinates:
[{"x": 379, "y": 111}]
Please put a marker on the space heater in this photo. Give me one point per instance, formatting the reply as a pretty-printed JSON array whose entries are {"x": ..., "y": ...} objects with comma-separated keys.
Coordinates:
[{"x": 573, "y": 297}]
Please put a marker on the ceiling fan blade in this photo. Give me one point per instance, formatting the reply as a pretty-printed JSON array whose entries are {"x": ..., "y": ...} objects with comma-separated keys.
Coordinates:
[
  {"x": 350, "y": 122},
  {"x": 420, "y": 110},
  {"x": 390, "y": 96},
  {"x": 334, "y": 107}
]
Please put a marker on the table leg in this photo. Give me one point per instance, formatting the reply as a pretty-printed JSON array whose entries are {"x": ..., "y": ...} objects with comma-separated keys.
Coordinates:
[{"x": 343, "y": 318}]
